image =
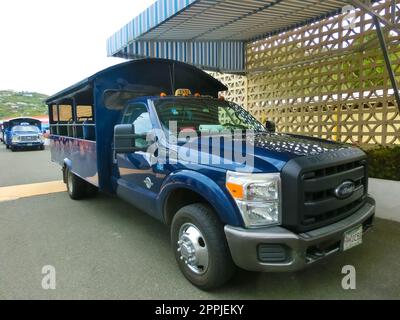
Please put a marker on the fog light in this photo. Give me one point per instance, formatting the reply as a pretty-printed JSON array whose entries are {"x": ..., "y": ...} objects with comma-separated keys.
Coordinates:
[{"x": 273, "y": 253}]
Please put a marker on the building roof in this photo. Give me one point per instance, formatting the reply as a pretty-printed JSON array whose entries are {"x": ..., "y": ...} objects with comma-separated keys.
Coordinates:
[{"x": 212, "y": 33}]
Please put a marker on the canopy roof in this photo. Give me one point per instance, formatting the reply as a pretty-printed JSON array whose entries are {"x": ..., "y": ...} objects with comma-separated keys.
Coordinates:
[
  {"x": 212, "y": 33},
  {"x": 146, "y": 77}
]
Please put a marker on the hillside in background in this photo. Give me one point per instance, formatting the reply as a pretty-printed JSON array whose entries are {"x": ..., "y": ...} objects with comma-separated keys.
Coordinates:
[{"x": 16, "y": 104}]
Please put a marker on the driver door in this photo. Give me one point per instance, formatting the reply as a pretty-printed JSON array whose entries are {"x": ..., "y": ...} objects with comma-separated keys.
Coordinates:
[{"x": 138, "y": 183}]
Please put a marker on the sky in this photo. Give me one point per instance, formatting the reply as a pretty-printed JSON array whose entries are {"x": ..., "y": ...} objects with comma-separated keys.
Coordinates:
[{"x": 48, "y": 45}]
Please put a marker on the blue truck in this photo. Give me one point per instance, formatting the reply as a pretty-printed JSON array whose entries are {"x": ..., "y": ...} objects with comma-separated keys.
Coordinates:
[
  {"x": 23, "y": 133},
  {"x": 156, "y": 133},
  {"x": 3, "y": 127}
]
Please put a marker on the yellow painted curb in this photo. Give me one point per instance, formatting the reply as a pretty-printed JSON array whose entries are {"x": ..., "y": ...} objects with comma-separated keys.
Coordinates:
[{"x": 31, "y": 190}]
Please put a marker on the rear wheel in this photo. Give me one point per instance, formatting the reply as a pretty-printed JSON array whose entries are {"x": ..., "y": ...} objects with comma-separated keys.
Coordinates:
[
  {"x": 76, "y": 186},
  {"x": 200, "y": 247},
  {"x": 91, "y": 190}
]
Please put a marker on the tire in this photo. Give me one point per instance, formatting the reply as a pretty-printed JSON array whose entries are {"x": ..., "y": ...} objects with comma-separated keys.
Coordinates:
[
  {"x": 7, "y": 146},
  {"x": 76, "y": 186},
  {"x": 41, "y": 147},
  {"x": 91, "y": 190},
  {"x": 13, "y": 149},
  {"x": 220, "y": 267}
]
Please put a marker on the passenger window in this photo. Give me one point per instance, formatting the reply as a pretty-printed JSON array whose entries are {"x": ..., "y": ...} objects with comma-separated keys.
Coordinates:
[
  {"x": 65, "y": 119},
  {"x": 84, "y": 113},
  {"x": 65, "y": 112},
  {"x": 54, "y": 113},
  {"x": 85, "y": 128},
  {"x": 54, "y": 119}
]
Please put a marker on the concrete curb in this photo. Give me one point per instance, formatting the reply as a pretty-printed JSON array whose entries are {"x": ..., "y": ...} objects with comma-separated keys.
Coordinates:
[{"x": 387, "y": 196}]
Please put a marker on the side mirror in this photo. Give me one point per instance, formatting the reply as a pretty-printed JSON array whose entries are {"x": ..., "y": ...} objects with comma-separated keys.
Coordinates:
[
  {"x": 126, "y": 141},
  {"x": 124, "y": 138},
  {"x": 270, "y": 126}
]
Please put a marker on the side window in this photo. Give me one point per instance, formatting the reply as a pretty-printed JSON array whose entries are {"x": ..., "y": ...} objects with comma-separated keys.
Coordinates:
[
  {"x": 65, "y": 114},
  {"x": 84, "y": 113},
  {"x": 86, "y": 126},
  {"x": 54, "y": 119},
  {"x": 54, "y": 110},
  {"x": 138, "y": 115},
  {"x": 65, "y": 119}
]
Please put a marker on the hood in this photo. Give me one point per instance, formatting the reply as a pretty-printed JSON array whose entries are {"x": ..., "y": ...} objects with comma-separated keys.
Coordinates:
[
  {"x": 290, "y": 145},
  {"x": 26, "y": 133},
  {"x": 268, "y": 152}
]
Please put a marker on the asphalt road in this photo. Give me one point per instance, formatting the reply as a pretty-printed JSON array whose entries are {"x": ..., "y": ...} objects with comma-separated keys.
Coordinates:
[
  {"x": 22, "y": 167},
  {"x": 103, "y": 248}
]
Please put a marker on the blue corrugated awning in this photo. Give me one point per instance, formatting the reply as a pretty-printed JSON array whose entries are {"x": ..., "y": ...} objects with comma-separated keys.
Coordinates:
[
  {"x": 210, "y": 55},
  {"x": 212, "y": 33}
]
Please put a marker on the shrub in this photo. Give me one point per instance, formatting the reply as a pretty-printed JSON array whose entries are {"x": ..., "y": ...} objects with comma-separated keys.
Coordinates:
[{"x": 384, "y": 162}]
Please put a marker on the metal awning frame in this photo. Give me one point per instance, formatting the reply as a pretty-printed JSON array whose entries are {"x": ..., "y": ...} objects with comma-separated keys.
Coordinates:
[
  {"x": 391, "y": 25},
  {"x": 365, "y": 6}
]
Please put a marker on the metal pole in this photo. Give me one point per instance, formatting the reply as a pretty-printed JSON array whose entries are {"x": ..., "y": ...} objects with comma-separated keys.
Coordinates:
[
  {"x": 393, "y": 11},
  {"x": 368, "y": 9},
  {"x": 389, "y": 68}
]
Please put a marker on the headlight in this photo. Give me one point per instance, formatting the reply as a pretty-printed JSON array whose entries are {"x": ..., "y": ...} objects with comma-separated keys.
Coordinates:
[
  {"x": 257, "y": 196},
  {"x": 15, "y": 138}
]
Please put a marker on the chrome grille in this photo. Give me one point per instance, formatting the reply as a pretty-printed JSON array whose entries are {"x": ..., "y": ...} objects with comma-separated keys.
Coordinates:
[{"x": 29, "y": 138}]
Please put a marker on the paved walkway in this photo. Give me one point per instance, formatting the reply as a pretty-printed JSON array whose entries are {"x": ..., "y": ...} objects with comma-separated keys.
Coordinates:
[{"x": 103, "y": 248}]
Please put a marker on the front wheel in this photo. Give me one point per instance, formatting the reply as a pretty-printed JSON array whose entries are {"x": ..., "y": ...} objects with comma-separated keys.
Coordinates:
[{"x": 200, "y": 247}]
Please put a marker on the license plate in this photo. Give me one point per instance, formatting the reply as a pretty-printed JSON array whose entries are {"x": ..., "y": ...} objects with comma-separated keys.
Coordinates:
[
  {"x": 29, "y": 144},
  {"x": 352, "y": 238}
]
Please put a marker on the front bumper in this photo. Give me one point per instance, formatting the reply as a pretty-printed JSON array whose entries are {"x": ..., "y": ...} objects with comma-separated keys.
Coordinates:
[
  {"x": 27, "y": 144},
  {"x": 299, "y": 250}
]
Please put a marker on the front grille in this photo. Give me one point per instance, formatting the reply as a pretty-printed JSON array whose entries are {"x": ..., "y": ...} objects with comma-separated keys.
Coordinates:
[
  {"x": 320, "y": 205},
  {"x": 29, "y": 138},
  {"x": 308, "y": 188}
]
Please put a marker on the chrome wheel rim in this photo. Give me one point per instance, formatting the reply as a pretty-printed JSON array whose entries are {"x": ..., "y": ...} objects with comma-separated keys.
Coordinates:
[{"x": 192, "y": 248}]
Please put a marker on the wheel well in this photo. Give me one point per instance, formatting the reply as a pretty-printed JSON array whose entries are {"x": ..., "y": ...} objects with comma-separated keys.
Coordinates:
[
  {"x": 180, "y": 198},
  {"x": 64, "y": 172}
]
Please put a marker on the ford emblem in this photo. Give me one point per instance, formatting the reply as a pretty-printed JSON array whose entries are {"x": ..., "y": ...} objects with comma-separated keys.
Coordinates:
[{"x": 345, "y": 190}]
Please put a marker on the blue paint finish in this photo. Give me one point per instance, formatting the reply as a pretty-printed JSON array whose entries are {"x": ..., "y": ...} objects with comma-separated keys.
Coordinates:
[
  {"x": 78, "y": 155},
  {"x": 140, "y": 74},
  {"x": 148, "y": 185},
  {"x": 203, "y": 183}
]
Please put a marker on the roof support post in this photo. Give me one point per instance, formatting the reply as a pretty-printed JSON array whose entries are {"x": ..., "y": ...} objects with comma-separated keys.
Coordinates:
[
  {"x": 392, "y": 26},
  {"x": 389, "y": 68},
  {"x": 393, "y": 11},
  {"x": 368, "y": 9}
]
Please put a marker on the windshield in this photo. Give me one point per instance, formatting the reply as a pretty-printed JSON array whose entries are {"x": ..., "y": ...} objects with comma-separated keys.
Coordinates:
[
  {"x": 205, "y": 115},
  {"x": 25, "y": 129}
]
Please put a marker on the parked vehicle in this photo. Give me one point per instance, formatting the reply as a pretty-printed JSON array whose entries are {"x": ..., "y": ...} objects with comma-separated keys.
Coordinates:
[
  {"x": 22, "y": 133},
  {"x": 131, "y": 130},
  {"x": 26, "y": 136},
  {"x": 4, "y": 126}
]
